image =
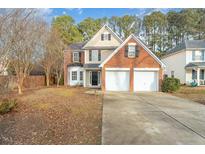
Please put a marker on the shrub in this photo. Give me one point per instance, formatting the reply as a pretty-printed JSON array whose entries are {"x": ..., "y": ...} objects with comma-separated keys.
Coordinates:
[
  {"x": 7, "y": 105},
  {"x": 170, "y": 84}
]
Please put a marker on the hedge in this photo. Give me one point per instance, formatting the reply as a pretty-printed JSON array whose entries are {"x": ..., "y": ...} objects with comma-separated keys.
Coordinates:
[{"x": 170, "y": 84}]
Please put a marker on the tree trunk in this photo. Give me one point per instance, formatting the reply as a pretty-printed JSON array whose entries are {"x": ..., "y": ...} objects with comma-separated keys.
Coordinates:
[
  {"x": 19, "y": 89},
  {"x": 47, "y": 79},
  {"x": 58, "y": 80},
  {"x": 20, "y": 84}
]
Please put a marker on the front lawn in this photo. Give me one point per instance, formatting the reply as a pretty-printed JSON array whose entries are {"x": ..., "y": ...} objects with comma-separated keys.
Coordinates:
[
  {"x": 196, "y": 94},
  {"x": 53, "y": 116}
]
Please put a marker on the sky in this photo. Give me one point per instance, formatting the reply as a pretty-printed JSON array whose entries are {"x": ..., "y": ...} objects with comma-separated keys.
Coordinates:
[{"x": 80, "y": 14}]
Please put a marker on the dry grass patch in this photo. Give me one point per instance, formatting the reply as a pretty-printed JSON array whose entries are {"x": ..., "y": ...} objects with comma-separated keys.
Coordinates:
[
  {"x": 196, "y": 94},
  {"x": 53, "y": 116}
]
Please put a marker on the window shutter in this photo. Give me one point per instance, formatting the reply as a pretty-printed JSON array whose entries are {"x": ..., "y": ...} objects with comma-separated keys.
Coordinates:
[
  {"x": 90, "y": 55},
  {"x": 102, "y": 37},
  {"x": 137, "y": 51},
  {"x": 109, "y": 36},
  {"x": 193, "y": 55},
  {"x": 126, "y": 51},
  {"x": 71, "y": 57},
  {"x": 90, "y": 78},
  {"x": 79, "y": 56},
  {"x": 99, "y": 55}
]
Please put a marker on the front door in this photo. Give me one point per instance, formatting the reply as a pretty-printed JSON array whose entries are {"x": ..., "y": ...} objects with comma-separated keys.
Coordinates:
[{"x": 94, "y": 78}]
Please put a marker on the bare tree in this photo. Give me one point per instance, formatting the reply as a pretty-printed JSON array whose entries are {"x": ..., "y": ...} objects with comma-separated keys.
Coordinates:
[
  {"x": 52, "y": 60},
  {"x": 58, "y": 46},
  {"x": 5, "y": 37},
  {"x": 26, "y": 32}
]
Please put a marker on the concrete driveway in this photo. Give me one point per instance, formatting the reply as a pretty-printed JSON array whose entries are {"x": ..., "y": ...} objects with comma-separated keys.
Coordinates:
[{"x": 152, "y": 118}]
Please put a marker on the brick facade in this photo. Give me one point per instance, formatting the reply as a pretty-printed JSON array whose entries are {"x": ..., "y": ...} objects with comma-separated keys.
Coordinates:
[
  {"x": 68, "y": 59},
  {"x": 144, "y": 60}
]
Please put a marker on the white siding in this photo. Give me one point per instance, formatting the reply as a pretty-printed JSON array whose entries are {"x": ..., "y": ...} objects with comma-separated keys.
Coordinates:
[
  {"x": 78, "y": 81},
  {"x": 96, "y": 40},
  {"x": 104, "y": 55},
  {"x": 176, "y": 63},
  {"x": 188, "y": 57},
  {"x": 188, "y": 76}
]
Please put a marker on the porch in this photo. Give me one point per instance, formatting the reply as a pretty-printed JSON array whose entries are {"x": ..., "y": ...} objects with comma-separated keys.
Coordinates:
[
  {"x": 92, "y": 74},
  {"x": 195, "y": 72}
]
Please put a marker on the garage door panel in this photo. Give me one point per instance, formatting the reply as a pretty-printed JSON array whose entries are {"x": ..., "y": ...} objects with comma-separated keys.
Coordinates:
[
  {"x": 145, "y": 81},
  {"x": 117, "y": 80}
]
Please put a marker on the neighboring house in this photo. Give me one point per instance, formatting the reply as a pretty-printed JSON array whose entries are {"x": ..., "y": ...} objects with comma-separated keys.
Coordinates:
[
  {"x": 109, "y": 63},
  {"x": 186, "y": 62}
]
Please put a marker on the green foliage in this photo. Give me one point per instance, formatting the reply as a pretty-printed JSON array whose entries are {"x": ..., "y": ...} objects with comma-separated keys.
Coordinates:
[
  {"x": 89, "y": 27},
  {"x": 161, "y": 31},
  {"x": 67, "y": 29},
  {"x": 170, "y": 84},
  {"x": 155, "y": 26},
  {"x": 7, "y": 105},
  {"x": 164, "y": 31},
  {"x": 128, "y": 25}
]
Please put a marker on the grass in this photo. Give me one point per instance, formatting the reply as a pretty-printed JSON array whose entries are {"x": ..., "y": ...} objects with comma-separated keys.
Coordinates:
[
  {"x": 53, "y": 116},
  {"x": 196, "y": 94},
  {"x": 7, "y": 105}
]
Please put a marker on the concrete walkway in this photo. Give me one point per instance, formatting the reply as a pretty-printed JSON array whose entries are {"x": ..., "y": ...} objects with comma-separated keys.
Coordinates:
[{"x": 152, "y": 118}]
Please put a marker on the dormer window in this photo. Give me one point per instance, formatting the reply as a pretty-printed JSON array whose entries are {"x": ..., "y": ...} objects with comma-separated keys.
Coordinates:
[
  {"x": 105, "y": 36},
  {"x": 76, "y": 57}
]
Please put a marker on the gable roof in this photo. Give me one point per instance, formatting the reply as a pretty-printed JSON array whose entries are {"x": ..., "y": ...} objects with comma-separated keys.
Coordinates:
[
  {"x": 141, "y": 43},
  {"x": 187, "y": 44},
  {"x": 110, "y": 30}
]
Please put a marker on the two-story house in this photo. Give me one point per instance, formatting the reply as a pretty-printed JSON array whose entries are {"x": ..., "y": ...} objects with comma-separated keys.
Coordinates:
[
  {"x": 186, "y": 62},
  {"x": 82, "y": 60},
  {"x": 108, "y": 62}
]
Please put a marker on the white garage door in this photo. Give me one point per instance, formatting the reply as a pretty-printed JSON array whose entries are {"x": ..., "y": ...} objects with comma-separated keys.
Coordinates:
[
  {"x": 117, "y": 80},
  {"x": 145, "y": 81}
]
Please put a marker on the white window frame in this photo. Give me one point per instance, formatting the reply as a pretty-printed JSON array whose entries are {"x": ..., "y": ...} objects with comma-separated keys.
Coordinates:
[
  {"x": 198, "y": 55},
  {"x": 73, "y": 75},
  {"x": 94, "y": 55},
  {"x": 77, "y": 57},
  {"x": 131, "y": 52},
  {"x": 106, "y": 36}
]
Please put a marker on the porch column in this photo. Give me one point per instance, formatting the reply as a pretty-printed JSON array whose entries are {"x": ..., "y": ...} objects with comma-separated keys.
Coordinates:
[
  {"x": 198, "y": 76},
  {"x": 84, "y": 79}
]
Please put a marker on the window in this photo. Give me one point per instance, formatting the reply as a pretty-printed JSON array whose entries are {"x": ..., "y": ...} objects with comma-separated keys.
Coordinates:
[
  {"x": 94, "y": 55},
  {"x": 194, "y": 75},
  {"x": 165, "y": 76},
  {"x": 172, "y": 74},
  {"x": 75, "y": 56},
  {"x": 198, "y": 55},
  {"x": 131, "y": 51},
  {"x": 105, "y": 36},
  {"x": 202, "y": 74},
  {"x": 81, "y": 75},
  {"x": 74, "y": 75}
]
